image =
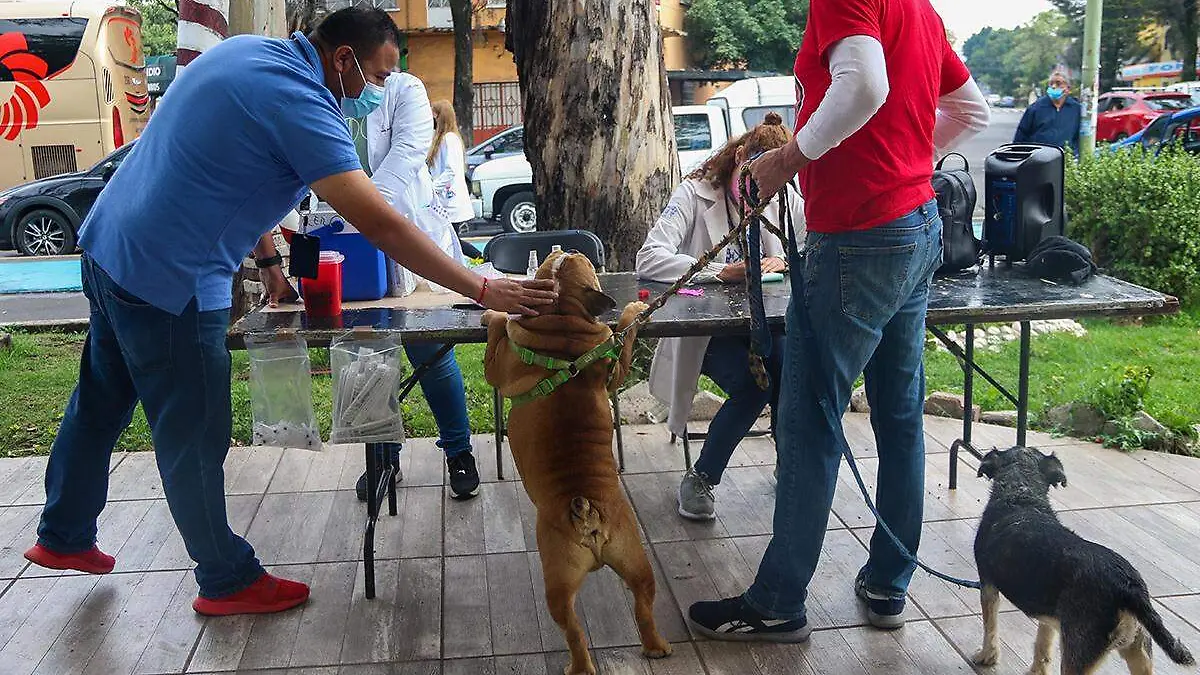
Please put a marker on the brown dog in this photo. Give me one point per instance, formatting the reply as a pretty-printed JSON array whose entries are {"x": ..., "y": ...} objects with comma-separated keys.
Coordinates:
[{"x": 562, "y": 444}]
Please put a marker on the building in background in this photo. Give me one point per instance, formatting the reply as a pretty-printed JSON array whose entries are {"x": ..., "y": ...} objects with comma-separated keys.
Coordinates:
[{"x": 1160, "y": 67}]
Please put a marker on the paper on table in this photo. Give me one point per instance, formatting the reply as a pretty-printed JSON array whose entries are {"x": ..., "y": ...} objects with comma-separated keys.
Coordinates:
[{"x": 488, "y": 271}]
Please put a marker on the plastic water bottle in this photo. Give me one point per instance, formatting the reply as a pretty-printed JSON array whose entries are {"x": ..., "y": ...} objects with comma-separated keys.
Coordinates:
[{"x": 532, "y": 268}]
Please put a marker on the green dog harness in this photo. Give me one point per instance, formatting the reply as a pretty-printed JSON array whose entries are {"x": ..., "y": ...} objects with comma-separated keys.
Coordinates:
[{"x": 563, "y": 370}]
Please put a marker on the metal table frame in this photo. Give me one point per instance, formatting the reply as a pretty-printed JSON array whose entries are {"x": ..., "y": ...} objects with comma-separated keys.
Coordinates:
[{"x": 968, "y": 300}]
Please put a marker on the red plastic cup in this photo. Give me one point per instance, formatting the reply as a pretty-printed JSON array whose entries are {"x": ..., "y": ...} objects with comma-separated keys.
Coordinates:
[{"x": 323, "y": 295}]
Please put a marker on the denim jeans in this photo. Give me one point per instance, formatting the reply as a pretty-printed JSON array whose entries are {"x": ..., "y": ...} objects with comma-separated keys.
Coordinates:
[
  {"x": 179, "y": 368},
  {"x": 727, "y": 362},
  {"x": 866, "y": 294},
  {"x": 446, "y": 394}
]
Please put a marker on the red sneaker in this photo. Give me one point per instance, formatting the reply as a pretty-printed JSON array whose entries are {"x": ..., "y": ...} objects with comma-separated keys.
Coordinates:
[
  {"x": 267, "y": 595},
  {"x": 93, "y": 562}
]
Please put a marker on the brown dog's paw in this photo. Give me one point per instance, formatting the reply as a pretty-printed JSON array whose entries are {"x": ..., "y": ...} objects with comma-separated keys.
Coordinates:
[
  {"x": 487, "y": 317},
  {"x": 657, "y": 652},
  {"x": 589, "y": 670},
  {"x": 988, "y": 656}
]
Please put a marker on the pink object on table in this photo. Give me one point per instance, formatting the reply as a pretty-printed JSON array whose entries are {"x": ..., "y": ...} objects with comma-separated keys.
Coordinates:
[{"x": 694, "y": 292}]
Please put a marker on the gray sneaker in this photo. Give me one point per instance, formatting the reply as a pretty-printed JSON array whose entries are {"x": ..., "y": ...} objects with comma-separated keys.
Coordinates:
[{"x": 696, "y": 501}]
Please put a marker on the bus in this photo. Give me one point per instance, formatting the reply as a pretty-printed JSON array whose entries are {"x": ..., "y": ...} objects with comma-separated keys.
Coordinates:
[{"x": 72, "y": 85}]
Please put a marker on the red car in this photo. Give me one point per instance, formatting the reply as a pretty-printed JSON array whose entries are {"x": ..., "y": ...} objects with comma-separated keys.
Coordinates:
[{"x": 1121, "y": 114}]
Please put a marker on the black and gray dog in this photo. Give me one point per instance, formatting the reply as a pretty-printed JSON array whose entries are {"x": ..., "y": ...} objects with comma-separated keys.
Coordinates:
[{"x": 1087, "y": 592}]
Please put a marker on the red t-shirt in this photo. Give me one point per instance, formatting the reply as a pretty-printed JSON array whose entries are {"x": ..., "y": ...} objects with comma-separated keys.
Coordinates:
[{"x": 883, "y": 171}]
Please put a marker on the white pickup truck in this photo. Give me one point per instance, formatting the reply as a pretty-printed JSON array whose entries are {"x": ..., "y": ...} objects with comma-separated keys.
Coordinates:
[{"x": 502, "y": 188}]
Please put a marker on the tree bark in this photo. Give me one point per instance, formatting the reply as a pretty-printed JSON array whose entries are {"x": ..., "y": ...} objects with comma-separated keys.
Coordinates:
[
  {"x": 301, "y": 15},
  {"x": 598, "y": 128},
  {"x": 464, "y": 67}
]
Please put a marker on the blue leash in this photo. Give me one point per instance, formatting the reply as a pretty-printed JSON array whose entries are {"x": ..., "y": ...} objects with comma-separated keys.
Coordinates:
[{"x": 823, "y": 394}]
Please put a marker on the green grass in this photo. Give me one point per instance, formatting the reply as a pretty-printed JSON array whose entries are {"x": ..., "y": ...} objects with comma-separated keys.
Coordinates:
[{"x": 38, "y": 374}]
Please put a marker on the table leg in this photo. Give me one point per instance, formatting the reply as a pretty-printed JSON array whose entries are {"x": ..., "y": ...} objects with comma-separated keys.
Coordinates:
[
  {"x": 687, "y": 451},
  {"x": 1023, "y": 386},
  {"x": 498, "y": 416},
  {"x": 372, "y": 516},
  {"x": 393, "y": 470},
  {"x": 620, "y": 439},
  {"x": 968, "y": 403}
]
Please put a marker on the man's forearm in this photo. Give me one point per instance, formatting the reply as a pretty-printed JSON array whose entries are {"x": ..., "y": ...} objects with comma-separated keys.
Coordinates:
[
  {"x": 352, "y": 195},
  {"x": 412, "y": 248}
]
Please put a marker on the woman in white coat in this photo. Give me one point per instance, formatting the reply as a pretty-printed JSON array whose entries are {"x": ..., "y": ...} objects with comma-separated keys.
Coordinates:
[
  {"x": 447, "y": 162},
  {"x": 398, "y": 135},
  {"x": 701, "y": 211}
]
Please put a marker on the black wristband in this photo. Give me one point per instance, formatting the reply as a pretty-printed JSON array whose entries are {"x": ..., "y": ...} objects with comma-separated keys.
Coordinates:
[{"x": 273, "y": 261}]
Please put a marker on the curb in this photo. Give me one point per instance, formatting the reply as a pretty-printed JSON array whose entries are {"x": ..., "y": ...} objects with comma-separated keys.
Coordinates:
[{"x": 48, "y": 326}]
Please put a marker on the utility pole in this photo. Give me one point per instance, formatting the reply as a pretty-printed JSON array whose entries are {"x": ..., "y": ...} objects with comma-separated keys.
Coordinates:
[{"x": 1090, "y": 84}]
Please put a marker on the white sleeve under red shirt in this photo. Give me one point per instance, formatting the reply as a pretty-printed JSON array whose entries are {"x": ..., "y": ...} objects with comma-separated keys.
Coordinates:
[{"x": 872, "y": 137}]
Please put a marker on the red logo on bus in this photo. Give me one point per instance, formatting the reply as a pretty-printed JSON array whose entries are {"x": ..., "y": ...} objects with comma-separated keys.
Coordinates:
[{"x": 26, "y": 70}]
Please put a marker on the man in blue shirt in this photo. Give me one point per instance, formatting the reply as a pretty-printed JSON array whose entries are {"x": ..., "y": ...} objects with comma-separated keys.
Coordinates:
[
  {"x": 1053, "y": 119},
  {"x": 233, "y": 146}
]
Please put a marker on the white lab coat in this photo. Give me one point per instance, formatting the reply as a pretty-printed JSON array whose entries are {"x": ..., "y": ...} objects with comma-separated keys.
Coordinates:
[
  {"x": 399, "y": 134},
  {"x": 693, "y": 221},
  {"x": 449, "y": 172}
]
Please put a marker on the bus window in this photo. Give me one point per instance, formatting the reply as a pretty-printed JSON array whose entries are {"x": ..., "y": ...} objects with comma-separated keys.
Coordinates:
[{"x": 53, "y": 42}]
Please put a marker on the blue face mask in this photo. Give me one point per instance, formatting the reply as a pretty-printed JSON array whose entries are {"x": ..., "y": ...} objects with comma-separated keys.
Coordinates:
[
  {"x": 1055, "y": 93},
  {"x": 366, "y": 102}
]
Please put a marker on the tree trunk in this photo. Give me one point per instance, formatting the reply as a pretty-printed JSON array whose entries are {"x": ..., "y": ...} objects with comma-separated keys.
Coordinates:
[
  {"x": 598, "y": 127},
  {"x": 464, "y": 67},
  {"x": 1189, "y": 29},
  {"x": 301, "y": 15}
]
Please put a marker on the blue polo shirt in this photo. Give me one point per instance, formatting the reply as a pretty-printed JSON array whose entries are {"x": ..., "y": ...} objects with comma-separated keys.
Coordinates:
[
  {"x": 1044, "y": 123},
  {"x": 228, "y": 152}
]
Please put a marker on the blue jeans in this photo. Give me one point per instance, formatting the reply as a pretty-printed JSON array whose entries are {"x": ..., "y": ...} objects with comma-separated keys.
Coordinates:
[
  {"x": 446, "y": 394},
  {"x": 866, "y": 294},
  {"x": 727, "y": 362},
  {"x": 179, "y": 368}
]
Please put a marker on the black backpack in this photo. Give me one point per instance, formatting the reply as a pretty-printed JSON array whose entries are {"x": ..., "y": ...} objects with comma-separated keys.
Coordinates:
[
  {"x": 1057, "y": 258},
  {"x": 956, "y": 195}
]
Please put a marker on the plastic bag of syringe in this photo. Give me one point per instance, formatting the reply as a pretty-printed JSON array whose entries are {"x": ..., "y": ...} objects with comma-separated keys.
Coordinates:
[
  {"x": 366, "y": 383},
  {"x": 281, "y": 393}
]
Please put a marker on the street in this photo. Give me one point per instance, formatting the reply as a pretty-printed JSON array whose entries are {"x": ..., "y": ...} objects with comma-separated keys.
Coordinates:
[{"x": 1000, "y": 132}]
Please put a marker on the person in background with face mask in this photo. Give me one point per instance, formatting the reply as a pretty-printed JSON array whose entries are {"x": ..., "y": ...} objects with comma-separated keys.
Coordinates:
[
  {"x": 1054, "y": 119},
  {"x": 233, "y": 147}
]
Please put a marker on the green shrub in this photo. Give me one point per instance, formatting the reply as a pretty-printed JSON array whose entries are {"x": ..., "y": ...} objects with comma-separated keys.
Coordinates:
[
  {"x": 1119, "y": 398},
  {"x": 1140, "y": 215}
]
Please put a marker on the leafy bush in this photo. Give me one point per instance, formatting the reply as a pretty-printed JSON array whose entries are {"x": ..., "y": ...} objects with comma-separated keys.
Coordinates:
[
  {"x": 1140, "y": 215},
  {"x": 1119, "y": 398}
]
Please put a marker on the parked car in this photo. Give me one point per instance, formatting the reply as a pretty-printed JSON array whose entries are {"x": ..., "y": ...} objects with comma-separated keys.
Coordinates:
[
  {"x": 1181, "y": 128},
  {"x": 507, "y": 143},
  {"x": 42, "y": 217},
  {"x": 502, "y": 188},
  {"x": 1190, "y": 88},
  {"x": 1006, "y": 102},
  {"x": 1121, "y": 114}
]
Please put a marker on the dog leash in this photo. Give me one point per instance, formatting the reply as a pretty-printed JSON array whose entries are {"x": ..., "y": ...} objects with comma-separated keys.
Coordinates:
[
  {"x": 563, "y": 370},
  {"x": 787, "y": 233},
  {"x": 833, "y": 420}
]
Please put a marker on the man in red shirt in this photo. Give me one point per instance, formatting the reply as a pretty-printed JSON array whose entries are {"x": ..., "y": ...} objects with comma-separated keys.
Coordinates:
[{"x": 880, "y": 89}]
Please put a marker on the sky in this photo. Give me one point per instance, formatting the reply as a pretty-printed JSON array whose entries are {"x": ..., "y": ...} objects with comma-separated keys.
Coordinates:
[{"x": 964, "y": 18}]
